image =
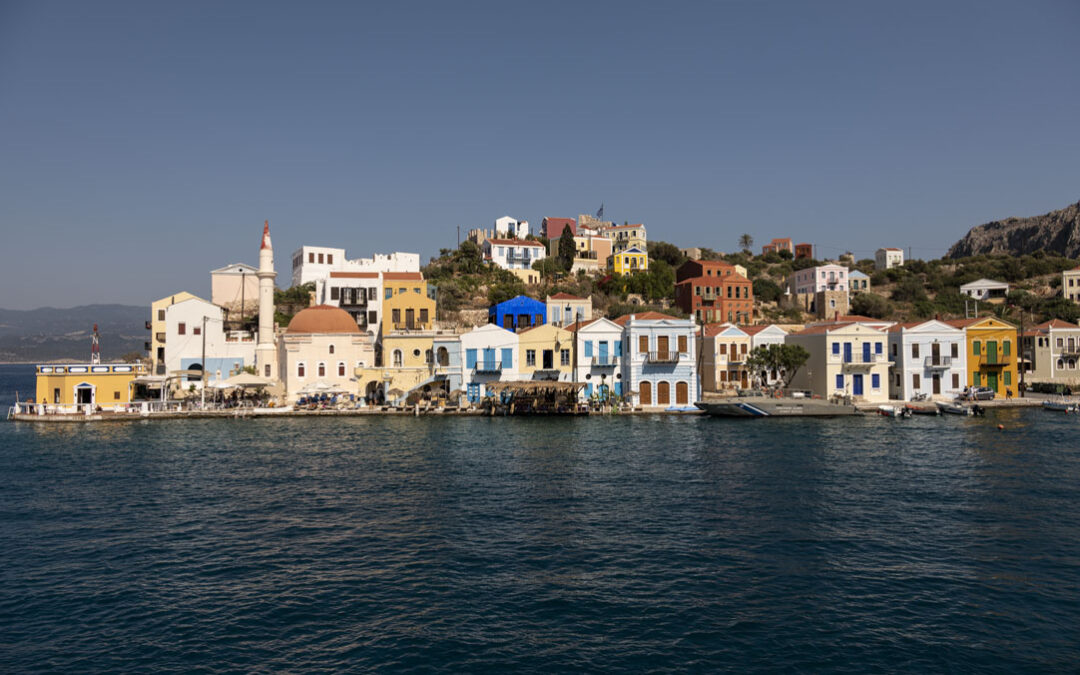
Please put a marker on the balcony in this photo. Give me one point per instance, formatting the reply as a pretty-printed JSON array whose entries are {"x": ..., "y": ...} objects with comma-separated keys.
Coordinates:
[
  {"x": 159, "y": 337},
  {"x": 997, "y": 359},
  {"x": 662, "y": 357},
  {"x": 861, "y": 360},
  {"x": 488, "y": 367},
  {"x": 938, "y": 363},
  {"x": 546, "y": 374},
  {"x": 605, "y": 361}
]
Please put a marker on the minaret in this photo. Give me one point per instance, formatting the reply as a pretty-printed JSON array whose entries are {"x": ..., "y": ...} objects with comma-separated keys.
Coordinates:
[{"x": 266, "y": 349}]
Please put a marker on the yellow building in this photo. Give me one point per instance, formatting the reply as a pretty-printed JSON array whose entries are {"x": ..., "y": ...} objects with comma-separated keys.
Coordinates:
[
  {"x": 992, "y": 353},
  {"x": 544, "y": 353},
  {"x": 630, "y": 261},
  {"x": 94, "y": 384},
  {"x": 157, "y": 329},
  {"x": 406, "y": 361},
  {"x": 407, "y": 303},
  {"x": 625, "y": 237}
]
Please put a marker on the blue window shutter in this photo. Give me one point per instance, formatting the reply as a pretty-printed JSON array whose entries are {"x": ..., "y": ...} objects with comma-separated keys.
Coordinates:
[
  {"x": 836, "y": 348},
  {"x": 508, "y": 357},
  {"x": 839, "y": 381},
  {"x": 618, "y": 388},
  {"x": 470, "y": 358},
  {"x": 588, "y": 349},
  {"x": 618, "y": 352},
  {"x": 875, "y": 381},
  {"x": 877, "y": 347},
  {"x": 588, "y": 389}
]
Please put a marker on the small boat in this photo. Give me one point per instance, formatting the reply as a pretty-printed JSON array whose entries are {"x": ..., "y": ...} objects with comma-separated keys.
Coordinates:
[
  {"x": 1060, "y": 406},
  {"x": 930, "y": 409},
  {"x": 893, "y": 411},
  {"x": 954, "y": 409}
]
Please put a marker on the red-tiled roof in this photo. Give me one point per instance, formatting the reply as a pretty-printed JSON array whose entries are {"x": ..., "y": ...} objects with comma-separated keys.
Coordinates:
[
  {"x": 403, "y": 276},
  {"x": 354, "y": 275},
  {"x": 897, "y": 327},
  {"x": 646, "y": 316},
  {"x": 565, "y": 296},
  {"x": 516, "y": 242},
  {"x": 553, "y": 227},
  {"x": 823, "y": 328},
  {"x": 962, "y": 323},
  {"x": 578, "y": 325},
  {"x": 712, "y": 329},
  {"x": 624, "y": 227},
  {"x": 754, "y": 330},
  {"x": 1056, "y": 323},
  {"x": 857, "y": 318}
]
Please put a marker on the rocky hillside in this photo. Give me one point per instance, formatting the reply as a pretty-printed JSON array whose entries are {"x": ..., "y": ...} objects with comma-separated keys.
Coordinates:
[{"x": 1056, "y": 232}]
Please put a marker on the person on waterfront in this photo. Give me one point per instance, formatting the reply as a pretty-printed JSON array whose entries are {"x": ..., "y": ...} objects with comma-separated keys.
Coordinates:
[{"x": 1008, "y": 394}]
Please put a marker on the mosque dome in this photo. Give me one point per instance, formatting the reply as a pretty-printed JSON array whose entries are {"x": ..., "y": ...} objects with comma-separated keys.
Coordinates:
[{"x": 323, "y": 319}]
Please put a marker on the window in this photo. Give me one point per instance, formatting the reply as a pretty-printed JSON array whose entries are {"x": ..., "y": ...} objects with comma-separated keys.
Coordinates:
[
  {"x": 723, "y": 348},
  {"x": 395, "y": 316},
  {"x": 1060, "y": 342},
  {"x": 372, "y": 317},
  {"x": 299, "y": 369},
  {"x": 682, "y": 344},
  {"x": 423, "y": 316},
  {"x": 470, "y": 358},
  {"x": 161, "y": 315},
  {"x": 915, "y": 381},
  {"x": 643, "y": 344},
  {"x": 588, "y": 349},
  {"x": 329, "y": 258},
  {"x": 1006, "y": 348},
  {"x": 398, "y": 358},
  {"x": 877, "y": 347},
  {"x": 564, "y": 357},
  {"x": 530, "y": 357},
  {"x": 311, "y": 257},
  {"x": 875, "y": 381},
  {"x": 335, "y": 293},
  {"x": 181, "y": 328},
  {"x": 954, "y": 350},
  {"x": 915, "y": 352},
  {"x": 839, "y": 381},
  {"x": 956, "y": 380},
  {"x": 1008, "y": 378},
  {"x": 197, "y": 330},
  {"x": 976, "y": 379},
  {"x": 976, "y": 348},
  {"x": 322, "y": 369},
  {"x": 341, "y": 369},
  {"x": 836, "y": 348},
  {"x": 894, "y": 349},
  {"x": 266, "y": 370}
]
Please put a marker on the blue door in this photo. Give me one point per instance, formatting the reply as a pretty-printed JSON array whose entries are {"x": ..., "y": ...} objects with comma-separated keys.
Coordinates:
[
  {"x": 473, "y": 392},
  {"x": 603, "y": 352},
  {"x": 856, "y": 384},
  {"x": 866, "y": 352},
  {"x": 489, "y": 358},
  {"x": 847, "y": 352}
]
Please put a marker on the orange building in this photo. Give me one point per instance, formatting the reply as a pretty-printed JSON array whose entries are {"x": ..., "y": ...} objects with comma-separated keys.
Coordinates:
[{"x": 712, "y": 291}]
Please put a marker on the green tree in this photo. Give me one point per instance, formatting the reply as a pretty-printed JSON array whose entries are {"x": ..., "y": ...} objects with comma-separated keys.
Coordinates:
[
  {"x": 549, "y": 267},
  {"x": 781, "y": 358},
  {"x": 669, "y": 253},
  {"x": 872, "y": 305},
  {"x": 766, "y": 290},
  {"x": 567, "y": 247},
  {"x": 746, "y": 242}
]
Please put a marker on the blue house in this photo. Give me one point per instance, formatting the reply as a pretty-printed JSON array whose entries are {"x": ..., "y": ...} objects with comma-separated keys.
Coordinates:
[{"x": 518, "y": 313}]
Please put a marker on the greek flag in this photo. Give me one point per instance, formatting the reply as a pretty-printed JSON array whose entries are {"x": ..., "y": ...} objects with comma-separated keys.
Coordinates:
[{"x": 600, "y": 213}]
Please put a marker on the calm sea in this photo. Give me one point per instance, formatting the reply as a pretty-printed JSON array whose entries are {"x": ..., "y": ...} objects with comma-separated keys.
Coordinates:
[{"x": 633, "y": 543}]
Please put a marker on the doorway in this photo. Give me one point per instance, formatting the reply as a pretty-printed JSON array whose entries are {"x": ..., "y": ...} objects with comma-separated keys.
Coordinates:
[
  {"x": 646, "y": 393},
  {"x": 937, "y": 381},
  {"x": 84, "y": 394},
  {"x": 857, "y": 384},
  {"x": 663, "y": 393}
]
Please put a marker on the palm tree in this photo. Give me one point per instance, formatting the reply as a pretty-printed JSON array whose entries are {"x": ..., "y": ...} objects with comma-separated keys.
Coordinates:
[{"x": 746, "y": 242}]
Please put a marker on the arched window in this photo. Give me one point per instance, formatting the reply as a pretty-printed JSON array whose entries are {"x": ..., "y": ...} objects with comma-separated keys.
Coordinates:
[
  {"x": 300, "y": 369},
  {"x": 1061, "y": 364},
  {"x": 444, "y": 357},
  {"x": 331, "y": 349},
  {"x": 341, "y": 369},
  {"x": 322, "y": 369},
  {"x": 397, "y": 358},
  {"x": 1072, "y": 364},
  {"x": 267, "y": 370}
]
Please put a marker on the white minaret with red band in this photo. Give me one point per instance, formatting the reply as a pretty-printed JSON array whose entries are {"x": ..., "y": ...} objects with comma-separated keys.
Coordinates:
[{"x": 265, "y": 349}]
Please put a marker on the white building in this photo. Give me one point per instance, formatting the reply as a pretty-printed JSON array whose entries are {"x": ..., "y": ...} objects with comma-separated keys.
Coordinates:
[
  {"x": 760, "y": 336},
  {"x": 195, "y": 334},
  {"x": 659, "y": 366},
  {"x": 313, "y": 264},
  {"x": 513, "y": 254},
  {"x": 490, "y": 355},
  {"x": 821, "y": 278},
  {"x": 320, "y": 351},
  {"x": 928, "y": 358},
  {"x": 358, "y": 293},
  {"x": 510, "y": 228},
  {"x": 1070, "y": 284},
  {"x": 986, "y": 289},
  {"x": 235, "y": 287},
  {"x": 599, "y": 350},
  {"x": 887, "y": 258}
]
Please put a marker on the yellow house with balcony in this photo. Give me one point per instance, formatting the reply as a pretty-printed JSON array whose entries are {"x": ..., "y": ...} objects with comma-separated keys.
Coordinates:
[
  {"x": 992, "y": 353},
  {"x": 630, "y": 261},
  {"x": 408, "y": 304},
  {"x": 545, "y": 353}
]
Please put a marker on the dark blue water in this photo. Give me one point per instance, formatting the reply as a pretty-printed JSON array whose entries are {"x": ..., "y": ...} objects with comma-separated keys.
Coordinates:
[{"x": 648, "y": 543}]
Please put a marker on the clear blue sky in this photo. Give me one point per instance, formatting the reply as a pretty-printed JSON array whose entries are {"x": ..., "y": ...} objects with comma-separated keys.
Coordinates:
[{"x": 143, "y": 144}]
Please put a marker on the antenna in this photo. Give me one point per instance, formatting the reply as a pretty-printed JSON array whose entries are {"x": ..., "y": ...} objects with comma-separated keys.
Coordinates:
[{"x": 95, "y": 347}]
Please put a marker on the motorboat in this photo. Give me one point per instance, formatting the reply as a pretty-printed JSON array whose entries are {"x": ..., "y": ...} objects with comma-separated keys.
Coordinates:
[
  {"x": 893, "y": 411},
  {"x": 954, "y": 408}
]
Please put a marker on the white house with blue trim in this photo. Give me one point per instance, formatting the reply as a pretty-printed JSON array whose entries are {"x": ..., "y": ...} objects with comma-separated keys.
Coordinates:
[
  {"x": 928, "y": 358},
  {"x": 659, "y": 364},
  {"x": 599, "y": 349},
  {"x": 846, "y": 359},
  {"x": 490, "y": 356}
]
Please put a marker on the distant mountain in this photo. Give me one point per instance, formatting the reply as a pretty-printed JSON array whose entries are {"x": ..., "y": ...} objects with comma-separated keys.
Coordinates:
[
  {"x": 1055, "y": 232},
  {"x": 48, "y": 333}
]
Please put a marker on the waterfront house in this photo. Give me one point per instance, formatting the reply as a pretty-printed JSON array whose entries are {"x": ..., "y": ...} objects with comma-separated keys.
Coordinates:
[
  {"x": 564, "y": 309},
  {"x": 358, "y": 293},
  {"x": 320, "y": 352},
  {"x": 767, "y": 334},
  {"x": 518, "y": 313},
  {"x": 313, "y": 264},
  {"x": 713, "y": 291},
  {"x": 659, "y": 364},
  {"x": 448, "y": 360},
  {"x": 544, "y": 353},
  {"x": 1070, "y": 284},
  {"x": 846, "y": 359},
  {"x": 408, "y": 303},
  {"x": 630, "y": 261},
  {"x": 991, "y": 353},
  {"x": 598, "y": 353},
  {"x": 812, "y": 280},
  {"x": 156, "y": 326},
  {"x": 929, "y": 357},
  {"x": 490, "y": 356},
  {"x": 887, "y": 258},
  {"x": 724, "y": 355},
  {"x": 626, "y": 237},
  {"x": 78, "y": 387},
  {"x": 199, "y": 344},
  {"x": 986, "y": 290},
  {"x": 1051, "y": 352}
]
